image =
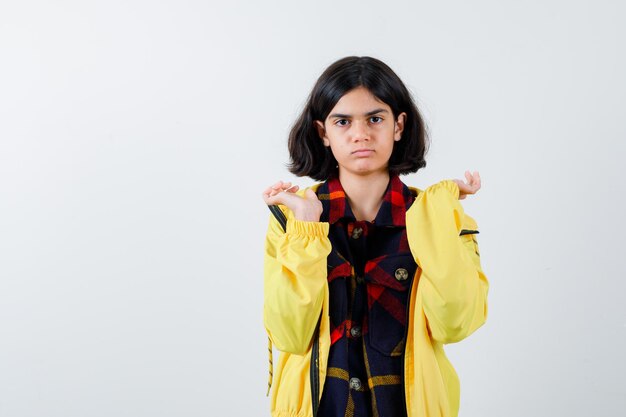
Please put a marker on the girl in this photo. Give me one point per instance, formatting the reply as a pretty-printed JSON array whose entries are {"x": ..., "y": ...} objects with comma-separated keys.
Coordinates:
[{"x": 370, "y": 277}]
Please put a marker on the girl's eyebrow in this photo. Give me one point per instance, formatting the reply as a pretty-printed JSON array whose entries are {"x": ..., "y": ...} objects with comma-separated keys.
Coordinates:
[{"x": 369, "y": 113}]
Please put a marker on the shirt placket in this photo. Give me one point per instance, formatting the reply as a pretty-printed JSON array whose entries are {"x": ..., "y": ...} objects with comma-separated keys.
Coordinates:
[{"x": 359, "y": 391}]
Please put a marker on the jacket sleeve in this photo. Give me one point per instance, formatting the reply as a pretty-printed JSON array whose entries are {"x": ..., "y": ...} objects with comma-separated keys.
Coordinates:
[
  {"x": 294, "y": 282},
  {"x": 452, "y": 287}
]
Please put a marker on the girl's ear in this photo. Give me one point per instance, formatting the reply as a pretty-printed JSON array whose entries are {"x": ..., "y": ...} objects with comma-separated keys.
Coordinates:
[
  {"x": 399, "y": 126},
  {"x": 321, "y": 131}
]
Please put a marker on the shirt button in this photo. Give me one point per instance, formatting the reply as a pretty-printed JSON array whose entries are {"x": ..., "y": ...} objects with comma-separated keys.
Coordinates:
[
  {"x": 401, "y": 274},
  {"x": 360, "y": 280},
  {"x": 357, "y": 232},
  {"x": 355, "y": 331},
  {"x": 355, "y": 384}
]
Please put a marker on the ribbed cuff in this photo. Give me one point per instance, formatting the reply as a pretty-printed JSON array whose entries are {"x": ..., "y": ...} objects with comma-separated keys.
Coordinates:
[{"x": 301, "y": 227}]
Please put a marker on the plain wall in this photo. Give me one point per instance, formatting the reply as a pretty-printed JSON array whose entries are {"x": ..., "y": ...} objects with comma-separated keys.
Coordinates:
[{"x": 136, "y": 138}]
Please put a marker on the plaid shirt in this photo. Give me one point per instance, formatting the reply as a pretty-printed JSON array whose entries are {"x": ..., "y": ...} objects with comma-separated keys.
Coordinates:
[{"x": 370, "y": 270}]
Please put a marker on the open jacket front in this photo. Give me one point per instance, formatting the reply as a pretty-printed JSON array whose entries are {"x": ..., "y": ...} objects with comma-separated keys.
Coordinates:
[{"x": 448, "y": 302}]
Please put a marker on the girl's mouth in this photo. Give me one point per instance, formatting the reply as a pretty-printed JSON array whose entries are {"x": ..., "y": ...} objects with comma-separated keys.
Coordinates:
[{"x": 363, "y": 152}]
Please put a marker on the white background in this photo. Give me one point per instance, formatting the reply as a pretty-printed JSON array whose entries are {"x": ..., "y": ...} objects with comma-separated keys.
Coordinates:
[{"x": 136, "y": 138}]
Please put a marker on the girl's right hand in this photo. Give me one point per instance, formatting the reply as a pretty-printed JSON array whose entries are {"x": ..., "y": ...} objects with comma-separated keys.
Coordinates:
[
  {"x": 307, "y": 208},
  {"x": 471, "y": 187}
]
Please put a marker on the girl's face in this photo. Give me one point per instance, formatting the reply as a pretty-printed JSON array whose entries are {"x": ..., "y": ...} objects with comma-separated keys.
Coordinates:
[{"x": 361, "y": 132}]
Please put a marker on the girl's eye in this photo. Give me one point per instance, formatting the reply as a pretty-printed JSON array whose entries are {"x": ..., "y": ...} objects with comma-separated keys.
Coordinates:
[
  {"x": 341, "y": 122},
  {"x": 376, "y": 119}
]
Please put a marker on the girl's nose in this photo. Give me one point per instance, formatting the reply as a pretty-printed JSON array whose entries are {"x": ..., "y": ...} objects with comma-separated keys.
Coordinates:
[{"x": 360, "y": 131}]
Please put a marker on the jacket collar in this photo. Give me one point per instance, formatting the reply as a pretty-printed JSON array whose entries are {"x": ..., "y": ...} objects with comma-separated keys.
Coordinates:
[{"x": 396, "y": 201}]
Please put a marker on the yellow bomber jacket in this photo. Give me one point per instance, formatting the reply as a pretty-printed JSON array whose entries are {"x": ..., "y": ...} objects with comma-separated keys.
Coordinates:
[{"x": 448, "y": 302}]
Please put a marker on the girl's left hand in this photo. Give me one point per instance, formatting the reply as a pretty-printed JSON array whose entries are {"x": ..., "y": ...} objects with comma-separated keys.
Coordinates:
[{"x": 472, "y": 185}]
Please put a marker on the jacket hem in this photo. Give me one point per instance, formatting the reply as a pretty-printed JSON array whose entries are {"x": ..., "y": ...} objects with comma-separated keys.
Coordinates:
[{"x": 285, "y": 413}]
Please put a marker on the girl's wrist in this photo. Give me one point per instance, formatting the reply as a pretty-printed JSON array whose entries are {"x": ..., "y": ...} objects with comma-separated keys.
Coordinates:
[{"x": 307, "y": 218}]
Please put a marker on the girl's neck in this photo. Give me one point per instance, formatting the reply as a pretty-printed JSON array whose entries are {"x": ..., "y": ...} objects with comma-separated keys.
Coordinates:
[{"x": 364, "y": 192}]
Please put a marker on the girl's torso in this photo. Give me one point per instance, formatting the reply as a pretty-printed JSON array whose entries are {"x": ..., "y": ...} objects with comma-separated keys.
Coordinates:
[{"x": 370, "y": 270}]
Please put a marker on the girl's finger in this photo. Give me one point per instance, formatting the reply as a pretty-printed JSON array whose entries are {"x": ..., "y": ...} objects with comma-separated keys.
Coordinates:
[
  {"x": 478, "y": 183},
  {"x": 285, "y": 188},
  {"x": 272, "y": 199},
  {"x": 268, "y": 190},
  {"x": 273, "y": 192},
  {"x": 280, "y": 186},
  {"x": 271, "y": 195}
]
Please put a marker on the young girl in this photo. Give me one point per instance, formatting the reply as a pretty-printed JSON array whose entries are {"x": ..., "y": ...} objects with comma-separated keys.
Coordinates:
[{"x": 369, "y": 277}]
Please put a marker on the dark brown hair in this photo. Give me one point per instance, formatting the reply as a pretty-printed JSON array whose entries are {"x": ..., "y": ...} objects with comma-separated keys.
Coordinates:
[{"x": 309, "y": 157}]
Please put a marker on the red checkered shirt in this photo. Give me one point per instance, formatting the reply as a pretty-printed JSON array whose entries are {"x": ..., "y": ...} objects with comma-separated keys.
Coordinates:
[{"x": 370, "y": 271}]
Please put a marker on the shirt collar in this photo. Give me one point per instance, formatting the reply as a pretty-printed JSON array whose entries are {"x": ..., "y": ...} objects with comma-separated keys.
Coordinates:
[{"x": 396, "y": 201}]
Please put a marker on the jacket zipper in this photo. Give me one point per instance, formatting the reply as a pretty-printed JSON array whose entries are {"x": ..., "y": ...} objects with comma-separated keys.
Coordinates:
[
  {"x": 314, "y": 368},
  {"x": 406, "y": 331}
]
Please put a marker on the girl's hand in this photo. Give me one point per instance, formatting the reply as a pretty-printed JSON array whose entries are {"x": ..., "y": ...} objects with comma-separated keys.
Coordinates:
[
  {"x": 308, "y": 208},
  {"x": 472, "y": 186}
]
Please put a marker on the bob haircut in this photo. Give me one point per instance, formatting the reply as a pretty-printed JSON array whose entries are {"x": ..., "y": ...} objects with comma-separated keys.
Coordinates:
[{"x": 309, "y": 157}]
